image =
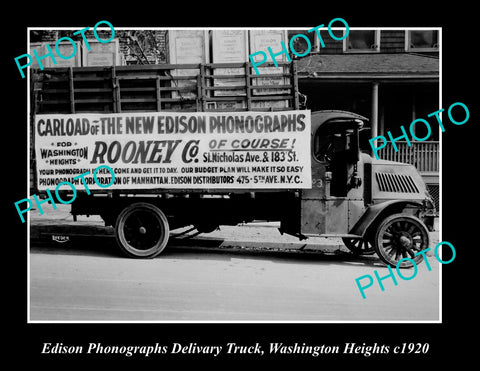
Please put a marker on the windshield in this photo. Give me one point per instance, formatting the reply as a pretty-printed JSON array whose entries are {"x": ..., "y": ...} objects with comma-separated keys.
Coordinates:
[{"x": 328, "y": 143}]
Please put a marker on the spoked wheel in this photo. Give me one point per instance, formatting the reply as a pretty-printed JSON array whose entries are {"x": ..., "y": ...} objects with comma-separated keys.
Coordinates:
[
  {"x": 142, "y": 230},
  {"x": 401, "y": 236},
  {"x": 359, "y": 246}
]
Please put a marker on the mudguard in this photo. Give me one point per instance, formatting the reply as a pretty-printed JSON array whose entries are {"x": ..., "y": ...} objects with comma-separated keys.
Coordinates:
[{"x": 376, "y": 212}]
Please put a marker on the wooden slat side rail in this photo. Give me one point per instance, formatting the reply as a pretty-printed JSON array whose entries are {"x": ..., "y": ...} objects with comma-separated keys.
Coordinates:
[{"x": 156, "y": 87}]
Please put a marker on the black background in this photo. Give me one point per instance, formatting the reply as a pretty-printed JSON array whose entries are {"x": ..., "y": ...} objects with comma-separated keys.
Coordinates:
[{"x": 454, "y": 339}]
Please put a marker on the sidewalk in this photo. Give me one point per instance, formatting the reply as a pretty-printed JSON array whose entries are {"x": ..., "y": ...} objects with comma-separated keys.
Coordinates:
[
  {"x": 258, "y": 236},
  {"x": 261, "y": 235}
]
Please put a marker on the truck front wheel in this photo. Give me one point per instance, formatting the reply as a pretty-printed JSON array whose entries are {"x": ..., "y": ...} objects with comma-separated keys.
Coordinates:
[
  {"x": 400, "y": 236},
  {"x": 142, "y": 230},
  {"x": 359, "y": 246}
]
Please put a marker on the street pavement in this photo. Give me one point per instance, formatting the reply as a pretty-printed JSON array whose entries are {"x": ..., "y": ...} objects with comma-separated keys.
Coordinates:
[{"x": 245, "y": 273}]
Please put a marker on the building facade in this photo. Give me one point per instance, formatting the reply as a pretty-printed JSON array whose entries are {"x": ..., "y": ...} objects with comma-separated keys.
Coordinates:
[{"x": 390, "y": 76}]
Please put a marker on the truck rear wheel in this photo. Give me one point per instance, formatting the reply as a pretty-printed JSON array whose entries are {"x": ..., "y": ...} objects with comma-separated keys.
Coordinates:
[
  {"x": 142, "y": 230},
  {"x": 400, "y": 236}
]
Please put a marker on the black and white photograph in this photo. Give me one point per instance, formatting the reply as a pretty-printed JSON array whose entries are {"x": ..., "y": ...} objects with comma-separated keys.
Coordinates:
[
  {"x": 240, "y": 190},
  {"x": 165, "y": 141}
]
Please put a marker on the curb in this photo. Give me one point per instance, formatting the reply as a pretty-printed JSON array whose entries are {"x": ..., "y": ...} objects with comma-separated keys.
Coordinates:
[
  {"x": 60, "y": 231},
  {"x": 65, "y": 232}
]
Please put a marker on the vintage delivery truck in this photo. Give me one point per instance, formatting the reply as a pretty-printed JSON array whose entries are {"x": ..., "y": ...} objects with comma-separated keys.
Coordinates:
[{"x": 199, "y": 145}]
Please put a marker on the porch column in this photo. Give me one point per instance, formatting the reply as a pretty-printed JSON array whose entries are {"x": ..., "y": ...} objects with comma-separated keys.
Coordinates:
[{"x": 374, "y": 113}]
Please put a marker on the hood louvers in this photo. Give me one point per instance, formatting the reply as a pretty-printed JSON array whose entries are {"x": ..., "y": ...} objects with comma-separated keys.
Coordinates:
[{"x": 388, "y": 182}]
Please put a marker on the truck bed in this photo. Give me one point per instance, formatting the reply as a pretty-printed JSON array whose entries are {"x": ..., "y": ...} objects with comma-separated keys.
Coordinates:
[{"x": 160, "y": 88}]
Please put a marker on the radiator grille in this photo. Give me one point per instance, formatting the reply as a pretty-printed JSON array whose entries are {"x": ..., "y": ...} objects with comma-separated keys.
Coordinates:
[
  {"x": 434, "y": 190},
  {"x": 401, "y": 183}
]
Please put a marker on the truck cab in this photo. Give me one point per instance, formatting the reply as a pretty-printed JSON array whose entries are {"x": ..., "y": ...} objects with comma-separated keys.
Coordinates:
[{"x": 374, "y": 205}]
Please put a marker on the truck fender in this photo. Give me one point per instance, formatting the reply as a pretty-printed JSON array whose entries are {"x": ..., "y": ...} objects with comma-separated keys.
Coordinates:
[{"x": 377, "y": 212}]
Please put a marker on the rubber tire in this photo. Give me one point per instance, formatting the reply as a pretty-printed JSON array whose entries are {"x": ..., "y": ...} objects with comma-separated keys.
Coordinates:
[
  {"x": 380, "y": 250},
  {"x": 132, "y": 251},
  {"x": 350, "y": 243}
]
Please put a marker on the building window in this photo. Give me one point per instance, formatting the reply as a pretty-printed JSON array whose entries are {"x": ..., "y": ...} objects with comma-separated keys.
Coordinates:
[
  {"x": 300, "y": 44},
  {"x": 421, "y": 41},
  {"x": 362, "y": 41}
]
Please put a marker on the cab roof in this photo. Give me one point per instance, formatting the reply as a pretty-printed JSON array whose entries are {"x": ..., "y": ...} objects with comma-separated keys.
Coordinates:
[{"x": 336, "y": 118}]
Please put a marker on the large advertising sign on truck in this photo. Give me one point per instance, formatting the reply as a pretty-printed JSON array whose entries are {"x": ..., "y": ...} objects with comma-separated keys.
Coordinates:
[{"x": 172, "y": 150}]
